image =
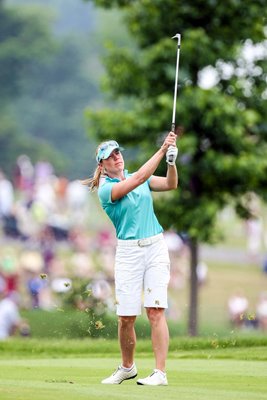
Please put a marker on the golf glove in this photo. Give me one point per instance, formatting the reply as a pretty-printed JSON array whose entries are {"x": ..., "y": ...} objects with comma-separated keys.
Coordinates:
[{"x": 171, "y": 155}]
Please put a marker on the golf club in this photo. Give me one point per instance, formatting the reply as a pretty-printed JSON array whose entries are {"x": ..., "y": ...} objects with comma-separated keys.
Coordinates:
[{"x": 178, "y": 37}]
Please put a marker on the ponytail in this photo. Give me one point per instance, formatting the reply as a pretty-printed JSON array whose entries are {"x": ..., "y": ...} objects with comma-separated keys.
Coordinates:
[{"x": 93, "y": 183}]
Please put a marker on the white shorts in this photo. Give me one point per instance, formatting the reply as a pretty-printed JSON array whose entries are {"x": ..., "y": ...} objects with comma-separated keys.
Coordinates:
[{"x": 141, "y": 265}]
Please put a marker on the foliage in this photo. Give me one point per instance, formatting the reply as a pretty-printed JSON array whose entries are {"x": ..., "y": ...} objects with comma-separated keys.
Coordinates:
[
  {"x": 222, "y": 150},
  {"x": 49, "y": 53},
  {"x": 50, "y": 72},
  {"x": 56, "y": 92},
  {"x": 24, "y": 37}
]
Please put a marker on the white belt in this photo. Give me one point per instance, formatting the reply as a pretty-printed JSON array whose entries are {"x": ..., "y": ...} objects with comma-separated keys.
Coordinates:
[{"x": 141, "y": 242}]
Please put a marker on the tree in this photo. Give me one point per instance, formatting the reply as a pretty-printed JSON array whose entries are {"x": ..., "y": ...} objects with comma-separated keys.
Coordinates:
[
  {"x": 55, "y": 93},
  {"x": 13, "y": 144},
  {"x": 55, "y": 89},
  {"x": 24, "y": 37},
  {"x": 222, "y": 151}
]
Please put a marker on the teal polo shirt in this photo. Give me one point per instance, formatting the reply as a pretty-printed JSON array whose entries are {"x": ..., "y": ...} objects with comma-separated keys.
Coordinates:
[{"x": 133, "y": 215}]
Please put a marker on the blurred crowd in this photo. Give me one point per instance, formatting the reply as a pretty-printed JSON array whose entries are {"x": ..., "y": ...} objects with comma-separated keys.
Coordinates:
[
  {"x": 240, "y": 314},
  {"x": 38, "y": 198},
  {"x": 54, "y": 247},
  {"x": 46, "y": 243}
]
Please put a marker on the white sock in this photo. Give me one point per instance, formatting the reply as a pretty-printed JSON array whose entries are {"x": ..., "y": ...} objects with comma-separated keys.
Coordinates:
[
  {"x": 161, "y": 372},
  {"x": 127, "y": 369}
]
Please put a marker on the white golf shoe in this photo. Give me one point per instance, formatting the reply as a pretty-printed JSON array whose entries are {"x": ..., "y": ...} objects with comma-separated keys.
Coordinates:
[
  {"x": 157, "y": 378},
  {"x": 120, "y": 375}
]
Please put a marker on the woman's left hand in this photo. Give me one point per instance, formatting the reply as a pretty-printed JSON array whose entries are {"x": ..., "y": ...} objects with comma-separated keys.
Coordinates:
[{"x": 170, "y": 140}]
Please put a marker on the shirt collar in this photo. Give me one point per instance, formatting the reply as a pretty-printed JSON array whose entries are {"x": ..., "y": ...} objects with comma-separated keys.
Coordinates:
[{"x": 108, "y": 179}]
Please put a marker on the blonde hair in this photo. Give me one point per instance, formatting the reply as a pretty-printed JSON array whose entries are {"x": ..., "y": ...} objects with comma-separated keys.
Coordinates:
[{"x": 93, "y": 183}]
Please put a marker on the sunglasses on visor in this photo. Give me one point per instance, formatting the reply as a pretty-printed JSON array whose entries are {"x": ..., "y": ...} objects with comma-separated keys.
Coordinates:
[{"x": 103, "y": 151}]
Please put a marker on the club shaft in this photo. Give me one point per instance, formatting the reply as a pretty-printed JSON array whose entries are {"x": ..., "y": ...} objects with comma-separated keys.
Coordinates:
[{"x": 175, "y": 87}]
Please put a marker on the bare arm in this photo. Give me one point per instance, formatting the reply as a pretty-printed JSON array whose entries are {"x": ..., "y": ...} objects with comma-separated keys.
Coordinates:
[
  {"x": 120, "y": 189},
  {"x": 161, "y": 184}
]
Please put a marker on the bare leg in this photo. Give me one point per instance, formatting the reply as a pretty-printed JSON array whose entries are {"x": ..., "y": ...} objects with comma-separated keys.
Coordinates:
[
  {"x": 159, "y": 335},
  {"x": 127, "y": 340}
]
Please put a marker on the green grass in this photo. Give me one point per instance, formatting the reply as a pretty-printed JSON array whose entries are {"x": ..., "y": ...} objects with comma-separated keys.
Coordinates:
[
  {"x": 75, "y": 324},
  {"x": 72, "y": 370},
  {"x": 201, "y": 347}
]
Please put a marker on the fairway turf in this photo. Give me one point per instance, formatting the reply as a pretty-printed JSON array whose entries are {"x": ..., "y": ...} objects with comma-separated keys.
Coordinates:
[{"x": 190, "y": 377}]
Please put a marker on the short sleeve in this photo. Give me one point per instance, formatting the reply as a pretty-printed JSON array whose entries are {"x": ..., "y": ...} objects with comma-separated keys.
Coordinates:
[
  {"x": 104, "y": 193},
  {"x": 148, "y": 182}
]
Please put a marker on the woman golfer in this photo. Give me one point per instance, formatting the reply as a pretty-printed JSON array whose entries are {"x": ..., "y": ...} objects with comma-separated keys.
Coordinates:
[{"x": 142, "y": 260}]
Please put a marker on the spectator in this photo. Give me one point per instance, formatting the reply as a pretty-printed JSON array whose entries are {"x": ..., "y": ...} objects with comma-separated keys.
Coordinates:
[
  {"x": 76, "y": 195},
  {"x": 262, "y": 312},
  {"x": 35, "y": 286},
  {"x": 47, "y": 247},
  {"x": 174, "y": 242},
  {"x": 237, "y": 306},
  {"x": 177, "y": 252},
  {"x": 264, "y": 266},
  {"x": 6, "y": 196},
  {"x": 24, "y": 173},
  {"x": 7, "y": 208},
  {"x": 43, "y": 171},
  {"x": 202, "y": 273},
  {"x": 10, "y": 320},
  {"x": 9, "y": 270},
  {"x": 254, "y": 227}
]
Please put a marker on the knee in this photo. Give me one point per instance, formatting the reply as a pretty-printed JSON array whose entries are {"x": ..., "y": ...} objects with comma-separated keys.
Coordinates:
[
  {"x": 126, "y": 322},
  {"x": 155, "y": 315}
]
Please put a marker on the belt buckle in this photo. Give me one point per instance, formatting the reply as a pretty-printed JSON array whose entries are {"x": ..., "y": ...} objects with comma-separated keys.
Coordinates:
[{"x": 144, "y": 242}]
